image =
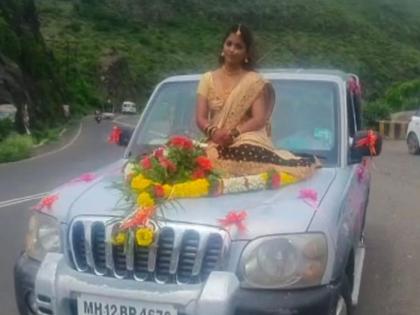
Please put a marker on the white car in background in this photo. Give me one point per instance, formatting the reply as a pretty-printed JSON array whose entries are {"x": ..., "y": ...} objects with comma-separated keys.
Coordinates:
[
  {"x": 128, "y": 108},
  {"x": 413, "y": 134}
]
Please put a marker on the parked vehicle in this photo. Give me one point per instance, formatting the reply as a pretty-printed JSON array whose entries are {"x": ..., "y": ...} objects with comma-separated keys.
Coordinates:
[
  {"x": 293, "y": 257},
  {"x": 128, "y": 108},
  {"x": 413, "y": 134}
]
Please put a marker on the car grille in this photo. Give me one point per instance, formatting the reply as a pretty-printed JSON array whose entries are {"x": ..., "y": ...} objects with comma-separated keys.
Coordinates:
[{"x": 181, "y": 253}]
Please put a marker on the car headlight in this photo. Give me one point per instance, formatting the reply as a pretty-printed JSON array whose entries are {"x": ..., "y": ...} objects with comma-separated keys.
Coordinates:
[
  {"x": 284, "y": 261},
  {"x": 43, "y": 236}
]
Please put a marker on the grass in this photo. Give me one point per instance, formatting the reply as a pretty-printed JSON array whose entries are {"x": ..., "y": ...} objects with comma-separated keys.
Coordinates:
[{"x": 15, "y": 147}]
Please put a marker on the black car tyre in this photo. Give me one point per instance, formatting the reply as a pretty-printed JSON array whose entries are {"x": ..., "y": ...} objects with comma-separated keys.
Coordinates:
[
  {"x": 413, "y": 144},
  {"x": 343, "y": 305}
]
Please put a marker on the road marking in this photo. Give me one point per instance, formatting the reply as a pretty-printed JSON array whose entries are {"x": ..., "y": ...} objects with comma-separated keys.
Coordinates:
[
  {"x": 16, "y": 201},
  {"x": 51, "y": 152}
]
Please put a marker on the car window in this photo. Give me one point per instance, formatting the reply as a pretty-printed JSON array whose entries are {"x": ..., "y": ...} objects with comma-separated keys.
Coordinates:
[
  {"x": 171, "y": 112},
  {"x": 304, "y": 119}
]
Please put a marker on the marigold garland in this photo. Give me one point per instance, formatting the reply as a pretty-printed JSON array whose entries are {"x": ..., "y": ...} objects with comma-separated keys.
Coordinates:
[{"x": 181, "y": 170}]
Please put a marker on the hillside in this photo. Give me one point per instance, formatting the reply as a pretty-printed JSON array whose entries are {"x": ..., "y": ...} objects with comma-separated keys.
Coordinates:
[
  {"x": 119, "y": 50},
  {"x": 27, "y": 75}
]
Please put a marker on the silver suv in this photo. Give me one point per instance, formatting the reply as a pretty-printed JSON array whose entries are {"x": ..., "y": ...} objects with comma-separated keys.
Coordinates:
[{"x": 295, "y": 257}]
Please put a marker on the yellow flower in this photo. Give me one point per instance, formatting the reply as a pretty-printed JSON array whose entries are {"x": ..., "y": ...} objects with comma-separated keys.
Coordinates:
[
  {"x": 287, "y": 179},
  {"x": 144, "y": 200},
  {"x": 191, "y": 189},
  {"x": 140, "y": 182},
  {"x": 119, "y": 238},
  {"x": 144, "y": 236},
  {"x": 264, "y": 177},
  {"x": 168, "y": 190}
]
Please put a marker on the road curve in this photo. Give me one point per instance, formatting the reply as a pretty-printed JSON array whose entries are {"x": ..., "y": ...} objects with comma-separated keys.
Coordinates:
[{"x": 89, "y": 152}]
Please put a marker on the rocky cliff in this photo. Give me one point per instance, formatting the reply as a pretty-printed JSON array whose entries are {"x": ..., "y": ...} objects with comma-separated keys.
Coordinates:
[{"x": 27, "y": 75}]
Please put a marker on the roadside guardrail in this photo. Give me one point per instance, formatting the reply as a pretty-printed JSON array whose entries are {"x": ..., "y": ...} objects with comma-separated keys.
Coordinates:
[{"x": 393, "y": 129}]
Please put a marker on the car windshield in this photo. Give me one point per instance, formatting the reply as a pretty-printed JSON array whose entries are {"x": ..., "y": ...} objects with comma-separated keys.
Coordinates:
[{"x": 304, "y": 120}]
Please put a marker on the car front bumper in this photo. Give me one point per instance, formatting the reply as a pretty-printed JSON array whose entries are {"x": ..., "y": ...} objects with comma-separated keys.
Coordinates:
[{"x": 56, "y": 287}]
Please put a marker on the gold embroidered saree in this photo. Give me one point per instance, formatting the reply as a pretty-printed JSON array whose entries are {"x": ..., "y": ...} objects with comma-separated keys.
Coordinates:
[{"x": 252, "y": 152}]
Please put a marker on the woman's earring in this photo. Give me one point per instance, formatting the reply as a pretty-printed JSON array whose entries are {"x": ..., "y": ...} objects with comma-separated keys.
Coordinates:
[
  {"x": 222, "y": 54},
  {"x": 246, "y": 60}
]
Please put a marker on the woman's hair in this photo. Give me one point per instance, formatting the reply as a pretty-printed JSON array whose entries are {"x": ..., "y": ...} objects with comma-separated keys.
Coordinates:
[{"x": 246, "y": 35}]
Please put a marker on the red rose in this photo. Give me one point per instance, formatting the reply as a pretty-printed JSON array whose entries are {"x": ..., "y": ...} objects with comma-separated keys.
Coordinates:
[
  {"x": 159, "y": 152},
  {"x": 146, "y": 163},
  {"x": 198, "y": 173},
  {"x": 204, "y": 163},
  {"x": 159, "y": 191},
  {"x": 275, "y": 181},
  {"x": 167, "y": 164},
  {"x": 181, "y": 142}
]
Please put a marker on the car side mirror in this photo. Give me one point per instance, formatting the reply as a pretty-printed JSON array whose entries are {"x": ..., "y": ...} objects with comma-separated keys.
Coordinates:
[
  {"x": 365, "y": 143},
  {"x": 126, "y": 134}
]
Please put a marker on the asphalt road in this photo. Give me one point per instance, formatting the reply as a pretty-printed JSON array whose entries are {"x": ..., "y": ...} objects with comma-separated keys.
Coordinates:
[
  {"x": 391, "y": 281},
  {"x": 88, "y": 152}
]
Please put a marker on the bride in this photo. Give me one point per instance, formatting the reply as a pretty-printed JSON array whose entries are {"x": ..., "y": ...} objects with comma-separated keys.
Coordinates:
[{"x": 234, "y": 107}]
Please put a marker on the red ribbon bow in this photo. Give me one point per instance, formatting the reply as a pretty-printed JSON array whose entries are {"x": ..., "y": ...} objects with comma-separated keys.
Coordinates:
[
  {"x": 140, "y": 218},
  {"x": 236, "y": 218},
  {"x": 85, "y": 178},
  {"x": 369, "y": 141},
  {"x": 46, "y": 202}
]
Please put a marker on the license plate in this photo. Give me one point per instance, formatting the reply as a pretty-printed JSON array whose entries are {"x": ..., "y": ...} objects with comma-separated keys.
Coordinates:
[{"x": 96, "y": 305}]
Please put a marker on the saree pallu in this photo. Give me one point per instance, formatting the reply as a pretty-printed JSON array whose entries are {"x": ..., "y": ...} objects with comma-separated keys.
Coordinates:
[{"x": 253, "y": 152}]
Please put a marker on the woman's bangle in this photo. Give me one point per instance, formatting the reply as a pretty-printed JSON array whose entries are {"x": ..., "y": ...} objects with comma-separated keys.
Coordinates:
[{"x": 210, "y": 130}]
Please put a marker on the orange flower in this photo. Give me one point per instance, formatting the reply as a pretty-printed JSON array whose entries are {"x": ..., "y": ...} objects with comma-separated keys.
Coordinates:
[
  {"x": 159, "y": 191},
  {"x": 141, "y": 217}
]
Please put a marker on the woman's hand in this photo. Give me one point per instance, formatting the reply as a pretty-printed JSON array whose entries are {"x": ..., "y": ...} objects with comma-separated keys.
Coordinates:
[{"x": 222, "y": 137}]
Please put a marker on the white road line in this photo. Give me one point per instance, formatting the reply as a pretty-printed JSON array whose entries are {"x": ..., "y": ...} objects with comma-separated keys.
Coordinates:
[
  {"x": 25, "y": 197},
  {"x": 16, "y": 201}
]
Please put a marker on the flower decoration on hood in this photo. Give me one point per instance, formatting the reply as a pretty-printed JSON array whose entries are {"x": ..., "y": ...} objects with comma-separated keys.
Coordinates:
[
  {"x": 46, "y": 203},
  {"x": 310, "y": 196},
  {"x": 234, "y": 218}
]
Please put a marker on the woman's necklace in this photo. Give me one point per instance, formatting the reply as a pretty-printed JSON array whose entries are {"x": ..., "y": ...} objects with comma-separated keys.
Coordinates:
[
  {"x": 230, "y": 79},
  {"x": 231, "y": 72}
]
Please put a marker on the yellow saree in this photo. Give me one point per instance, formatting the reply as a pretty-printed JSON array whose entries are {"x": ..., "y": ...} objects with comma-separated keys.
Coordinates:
[{"x": 251, "y": 152}]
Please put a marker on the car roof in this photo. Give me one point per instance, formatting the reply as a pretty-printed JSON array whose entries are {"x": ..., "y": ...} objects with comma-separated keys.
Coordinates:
[{"x": 283, "y": 73}]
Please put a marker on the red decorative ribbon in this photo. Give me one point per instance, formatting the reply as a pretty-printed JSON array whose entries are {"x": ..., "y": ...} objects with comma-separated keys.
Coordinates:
[
  {"x": 354, "y": 87},
  {"x": 310, "y": 195},
  {"x": 140, "y": 218},
  {"x": 234, "y": 218},
  {"x": 46, "y": 202},
  {"x": 115, "y": 135},
  {"x": 85, "y": 178},
  {"x": 369, "y": 141}
]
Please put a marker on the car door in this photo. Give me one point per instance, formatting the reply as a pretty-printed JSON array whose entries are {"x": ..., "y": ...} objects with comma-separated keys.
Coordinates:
[{"x": 359, "y": 179}]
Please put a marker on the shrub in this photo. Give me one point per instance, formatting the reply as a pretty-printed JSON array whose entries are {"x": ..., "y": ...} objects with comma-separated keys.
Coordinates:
[
  {"x": 6, "y": 127},
  {"x": 15, "y": 147},
  {"x": 375, "y": 111}
]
